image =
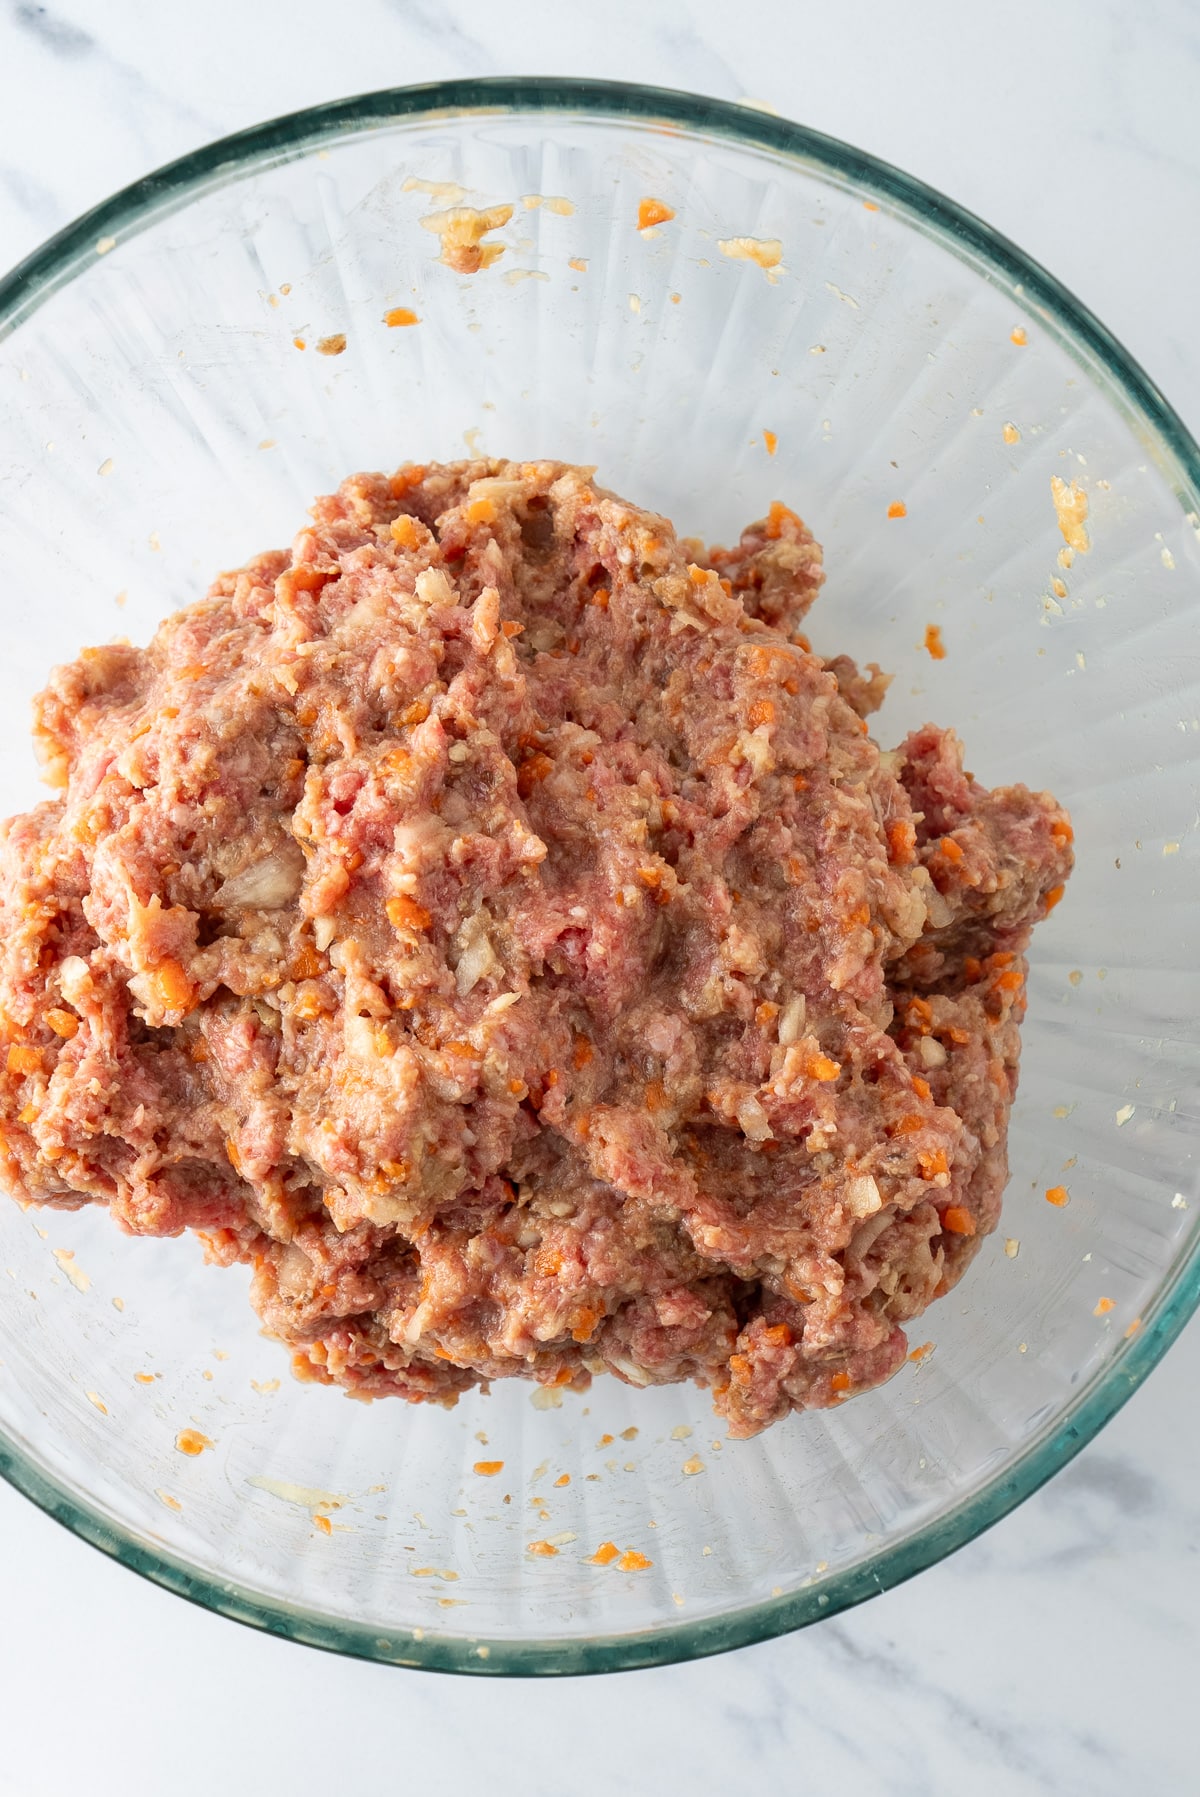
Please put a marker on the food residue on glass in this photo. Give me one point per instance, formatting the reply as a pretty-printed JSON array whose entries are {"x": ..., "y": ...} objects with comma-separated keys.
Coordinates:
[
  {"x": 462, "y": 230},
  {"x": 1071, "y": 507},
  {"x": 765, "y": 252},
  {"x": 66, "y": 1260},
  {"x": 192, "y": 1442}
]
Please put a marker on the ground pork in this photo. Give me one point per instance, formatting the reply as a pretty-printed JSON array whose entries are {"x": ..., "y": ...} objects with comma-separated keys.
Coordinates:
[{"x": 493, "y": 923}]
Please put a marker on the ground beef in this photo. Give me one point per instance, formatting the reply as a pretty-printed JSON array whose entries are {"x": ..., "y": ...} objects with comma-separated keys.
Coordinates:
[{"x": 493, "y": 923}]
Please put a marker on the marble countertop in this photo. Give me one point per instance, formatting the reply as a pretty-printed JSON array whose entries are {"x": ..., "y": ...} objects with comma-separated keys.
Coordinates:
[{"x": 1051, "y": 1654}]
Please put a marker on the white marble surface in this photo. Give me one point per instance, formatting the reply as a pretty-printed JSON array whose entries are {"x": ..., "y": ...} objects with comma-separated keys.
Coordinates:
[{"x": 1052, "y": 1655}]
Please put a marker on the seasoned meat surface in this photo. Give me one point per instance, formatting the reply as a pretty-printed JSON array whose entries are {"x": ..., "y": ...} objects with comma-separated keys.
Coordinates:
[{"x": 500, "y": 929}]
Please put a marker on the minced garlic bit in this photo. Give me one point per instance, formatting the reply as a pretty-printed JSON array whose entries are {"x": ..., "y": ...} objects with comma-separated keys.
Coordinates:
[
  {"x": 1012, "y": 1247},
  {"x": 1124, "y": 1114},
  {"x": 766, "y": 252}
]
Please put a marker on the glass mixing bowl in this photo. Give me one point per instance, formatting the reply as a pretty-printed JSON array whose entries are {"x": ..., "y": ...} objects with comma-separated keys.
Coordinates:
[{"x": 170, "y": 406}]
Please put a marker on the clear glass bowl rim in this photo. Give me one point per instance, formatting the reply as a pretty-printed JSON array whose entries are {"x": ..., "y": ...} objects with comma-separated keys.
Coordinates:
[{"x": 169, "y": 189}]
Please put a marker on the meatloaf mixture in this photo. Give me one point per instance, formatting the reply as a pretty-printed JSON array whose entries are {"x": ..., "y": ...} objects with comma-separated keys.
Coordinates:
[{"x": 491, "y": 921}]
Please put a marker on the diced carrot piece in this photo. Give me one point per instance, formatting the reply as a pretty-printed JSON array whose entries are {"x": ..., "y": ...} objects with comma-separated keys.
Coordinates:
[
  {"x": 820, "y": 1067},
  {"x": 582, "y": 1053},
  {"x": 920, "y": 1086},
  {"x": 654, "y": 212},
  {"x": 533, "y": 770},
  {"x": 306, "y": 963},
  {"x": 605, "y": 1554},
  {"x": 761, "y": 712},
  {"x": 1058, "y": 1195},
  {"x": 404, "y": 913},
  {"x": 1053, "y": 896},
  {"x": 487, "y": 1469},
  {"x": 400, "y": 315},
  {"x": 1103, "y": 1306},
  {"x": 932, "y": 1162},
  {"x": 323, "y": 1523},
  {"x": 771, "y": 441},
  {"x": 897, "y": 509},
  {"x": 958, "y": 1220},
  {"x": 172, "y": 987},
  {"x": 840, "y": 1382},
  {"x": 544, "y": 1550},
  {"x": 777, "y": 516},
  {"x": 481, "y": 511},
  {"x": 950, "y": 850},
  {"x": 632, "y": 1561},
  {"x": 24, "y": 1060},
  {"x": 404, "y": 531},
  {"x": 934, "y": 643}
]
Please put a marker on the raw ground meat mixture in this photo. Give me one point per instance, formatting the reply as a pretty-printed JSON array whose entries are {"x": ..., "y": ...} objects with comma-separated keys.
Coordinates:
[{"x": 492, "y": 922}]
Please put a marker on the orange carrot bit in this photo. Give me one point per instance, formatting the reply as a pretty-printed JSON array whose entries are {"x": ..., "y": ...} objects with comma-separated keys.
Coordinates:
[
  {"x": 950, "y": 850},
  {"x": 399, "y": 315},
  {"x": 840, "y": 1382},
  {"x": 632, "y": 1561},
  {"x": 481, "y": 511},
  {"x": 532, "y": 771},
  {"x": 404, "y": 913},
  {"x": 416, "y": 713},
  {"x": 605, "y": 1554},
  {"x": 299, "y": 343},
  {"x": 1062, "y": 833},
  {"x": 24, "y": 1060},
  {"x": 777, "y": 516},
  {"x": 1058, "y": 1195},
  {"x": 933, "y": 1163},
  {"x": 1053, "y": 896},
  {"x": 28, "y": 1115},
  {"x": 958, "y": 1220},
  {"x": 654, "y": 212},
  {"x": 306, "y": 963},
  {"x": 404, "y": 531},
  {"x": 902, "y": 842},
  {"x": 957, "y": 1035},
  {"x": 934, "y": 643},
  {"x": 191, "y": 1442},
  {"x": 563, "y": 1479},
  {"x": 487, "y": 1469},
  {"x": 919, "y": 1015},
  {"x": 761, "y": 712},
  {"x": 63, "y": 1023},
  {"x": 897, "y": 509},
  {"x": 1103, "y": 1306},
  {"x": 771, "y": 441},
  {"x": 766, "y": 1013},
  {"x": 545, "y": 1550},
  {"x": 922, "y": 1351},
  {"x": 323, "y": 1523},
  {"x": 821, "y": 1068},
  {"x": 907, "y": 1126},
  {"x": 972, "y": 968},
  {"x": 870, "y": 206},
  {"x": 404, "y": 479},
  {"x": 581, "y": 1053},
  {"x": 1133, "y": 1328},
  {"x": 511, "y": 628},
  {"x": 606, "y": 1441},
  {"x": 172, "y": 986},
  {"x": 231, "y": 1151},
  {"x": 1017, "y": 335},
  {"x": 920, "y": 1086}
]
